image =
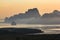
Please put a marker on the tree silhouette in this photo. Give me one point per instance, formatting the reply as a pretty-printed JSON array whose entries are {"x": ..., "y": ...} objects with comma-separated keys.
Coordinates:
[{"x": 13, "y": 23}]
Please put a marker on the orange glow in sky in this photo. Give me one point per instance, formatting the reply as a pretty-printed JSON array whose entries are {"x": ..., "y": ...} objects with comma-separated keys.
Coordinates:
[{"x": 11, "y": 7}]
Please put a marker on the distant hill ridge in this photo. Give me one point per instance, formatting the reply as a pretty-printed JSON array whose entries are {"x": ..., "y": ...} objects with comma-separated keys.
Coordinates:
[
  {"x": 55, "y": 13},
  {"x": 32, "y": 16}
]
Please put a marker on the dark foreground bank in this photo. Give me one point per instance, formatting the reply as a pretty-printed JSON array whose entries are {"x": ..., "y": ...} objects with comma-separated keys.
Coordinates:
[
  {"x": 20, "y": 34},
  {"x": 30, "y": 37}
]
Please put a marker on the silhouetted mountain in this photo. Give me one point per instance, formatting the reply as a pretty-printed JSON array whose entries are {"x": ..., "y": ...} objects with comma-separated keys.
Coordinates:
[
  {"x": 55, "y": 13},
  {"x": 28, "y": 14},
  {"x": 32, "y": 17}
]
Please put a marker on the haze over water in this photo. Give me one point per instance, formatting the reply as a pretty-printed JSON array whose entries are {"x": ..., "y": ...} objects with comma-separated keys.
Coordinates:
[{"x": 48, "y": 29}]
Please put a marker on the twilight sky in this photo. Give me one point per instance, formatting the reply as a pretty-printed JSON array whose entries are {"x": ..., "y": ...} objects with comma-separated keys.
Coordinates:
[{"x": 11, "y": 7}]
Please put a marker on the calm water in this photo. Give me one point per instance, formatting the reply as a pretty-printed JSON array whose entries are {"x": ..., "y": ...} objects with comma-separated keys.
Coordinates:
[{"x": 48, "y": 29}]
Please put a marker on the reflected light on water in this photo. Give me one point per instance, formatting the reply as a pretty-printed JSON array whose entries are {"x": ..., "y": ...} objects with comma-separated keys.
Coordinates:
[{"x": 55, "y": 29}]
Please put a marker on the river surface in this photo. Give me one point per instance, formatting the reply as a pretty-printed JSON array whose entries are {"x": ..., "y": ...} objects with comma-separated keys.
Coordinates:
[{"x": 48, "y": 29}]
